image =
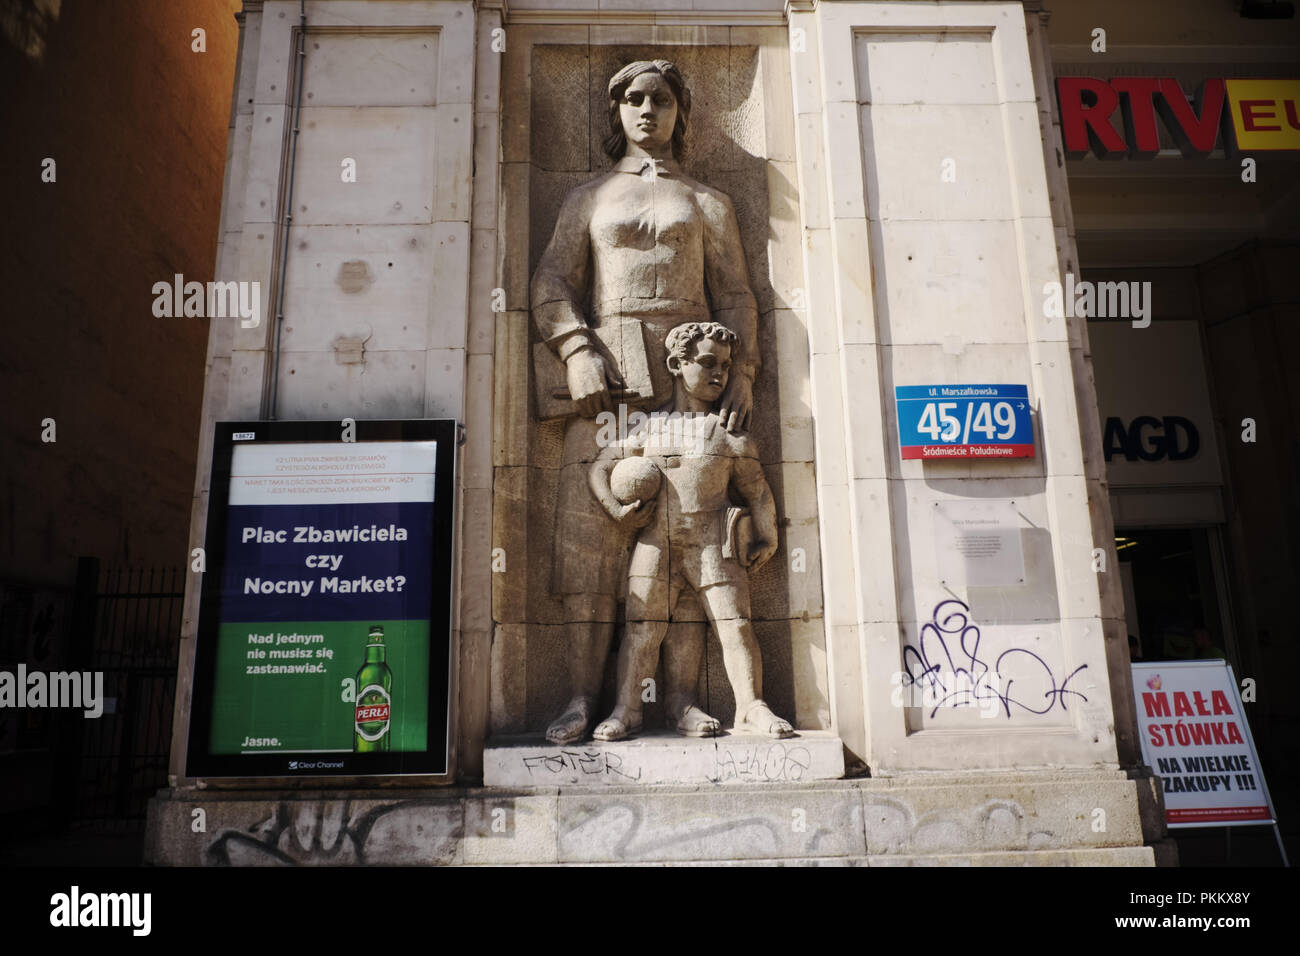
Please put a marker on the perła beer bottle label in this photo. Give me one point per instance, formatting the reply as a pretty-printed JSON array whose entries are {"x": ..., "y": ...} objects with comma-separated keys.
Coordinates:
[
  {"x": 374, "y": 708},
  {"x": 374, "y": 705}
]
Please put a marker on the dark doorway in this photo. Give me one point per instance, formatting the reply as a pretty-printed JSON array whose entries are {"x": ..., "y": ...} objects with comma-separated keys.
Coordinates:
[{"x": 1174, "y": 596}]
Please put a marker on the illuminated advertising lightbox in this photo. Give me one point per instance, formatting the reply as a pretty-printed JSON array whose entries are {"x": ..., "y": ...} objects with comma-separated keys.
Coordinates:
[{"x": 324, "y": 638}]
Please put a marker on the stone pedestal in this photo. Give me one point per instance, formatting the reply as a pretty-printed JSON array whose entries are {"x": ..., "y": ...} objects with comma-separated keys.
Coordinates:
[{"x": 664, "y": 758}]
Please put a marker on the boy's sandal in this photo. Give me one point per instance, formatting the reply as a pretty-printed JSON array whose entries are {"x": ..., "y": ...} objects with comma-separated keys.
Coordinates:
[
  {"x": 619, "y": 731},
  {"x": 772, "y": 729}
]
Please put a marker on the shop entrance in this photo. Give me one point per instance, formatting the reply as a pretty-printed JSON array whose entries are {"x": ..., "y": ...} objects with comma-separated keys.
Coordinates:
[{"x": 1173, "y": 593}]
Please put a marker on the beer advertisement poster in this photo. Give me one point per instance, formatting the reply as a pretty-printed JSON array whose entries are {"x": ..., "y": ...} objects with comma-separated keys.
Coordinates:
[{"x": 324, "y": 633}]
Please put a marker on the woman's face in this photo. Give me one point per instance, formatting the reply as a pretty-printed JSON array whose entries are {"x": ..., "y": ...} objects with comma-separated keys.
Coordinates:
[{"x": 648, "y": 111}]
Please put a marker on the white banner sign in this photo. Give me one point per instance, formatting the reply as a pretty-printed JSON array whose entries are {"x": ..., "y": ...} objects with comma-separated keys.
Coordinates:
[{"x": 1195, "y": 737}]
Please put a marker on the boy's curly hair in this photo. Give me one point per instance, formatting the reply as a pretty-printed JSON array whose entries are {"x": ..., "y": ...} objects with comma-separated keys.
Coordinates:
[{"x": 681, "y": 339}]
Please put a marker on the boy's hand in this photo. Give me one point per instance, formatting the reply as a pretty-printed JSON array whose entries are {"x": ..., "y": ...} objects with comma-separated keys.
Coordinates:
[
  {"x": 760, "y": 552},
  {"x": 634, "y": 516}
]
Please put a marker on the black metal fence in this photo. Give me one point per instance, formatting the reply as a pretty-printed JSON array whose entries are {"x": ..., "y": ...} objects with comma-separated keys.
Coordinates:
[{"x": 134, "y": 624}]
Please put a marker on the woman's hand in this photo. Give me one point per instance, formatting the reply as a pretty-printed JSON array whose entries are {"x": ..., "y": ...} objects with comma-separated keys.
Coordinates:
[
  {"x": 737, "y": 403},
  {"x": 589, "y": 382}
]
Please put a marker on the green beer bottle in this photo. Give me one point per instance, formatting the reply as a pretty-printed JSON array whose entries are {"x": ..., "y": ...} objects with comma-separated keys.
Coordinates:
[{"x": 374, "y": 697}]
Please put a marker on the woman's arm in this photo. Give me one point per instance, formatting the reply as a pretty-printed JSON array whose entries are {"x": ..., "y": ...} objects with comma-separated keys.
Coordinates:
[
  {"x": 560, "y": 285},
  {"x": 559, "y": 291}
]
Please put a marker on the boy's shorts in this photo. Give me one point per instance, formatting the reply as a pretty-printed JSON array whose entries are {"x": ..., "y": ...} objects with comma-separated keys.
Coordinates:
[{"x": 678, "y": 573}]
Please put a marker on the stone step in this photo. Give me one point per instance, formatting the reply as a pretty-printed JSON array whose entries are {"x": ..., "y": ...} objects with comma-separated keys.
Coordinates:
[
  {"x": 1104, "y": 856},
  {"x": 1048, "y": 817}
]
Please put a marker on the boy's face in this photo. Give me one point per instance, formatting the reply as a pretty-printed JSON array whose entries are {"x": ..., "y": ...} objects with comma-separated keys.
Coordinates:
[{"x": 705, "y": 373}]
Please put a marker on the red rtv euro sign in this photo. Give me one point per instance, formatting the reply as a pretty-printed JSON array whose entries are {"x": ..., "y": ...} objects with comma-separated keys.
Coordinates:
[{"x": 1245, "y": 114}]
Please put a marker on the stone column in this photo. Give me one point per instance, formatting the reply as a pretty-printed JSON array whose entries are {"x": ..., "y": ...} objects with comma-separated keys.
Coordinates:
[
  {"x": 377, "y": 270},
  {"x": 472, "y": 701},
  {"x": 1103, "y": 524},
  {"x": 929, "y": 236}
]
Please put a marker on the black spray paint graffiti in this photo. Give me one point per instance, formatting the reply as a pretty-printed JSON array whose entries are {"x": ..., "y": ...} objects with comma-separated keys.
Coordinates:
[
  {"x": 280, "y": 839},
  {"x": 948, "y": 669},
  {"x": 587, "y": 762}
]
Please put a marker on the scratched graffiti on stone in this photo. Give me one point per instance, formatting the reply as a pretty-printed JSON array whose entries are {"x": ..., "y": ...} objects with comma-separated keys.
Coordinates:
[
  {"x": 589, "y": 763},
  {"x": 774, "y": 762}
]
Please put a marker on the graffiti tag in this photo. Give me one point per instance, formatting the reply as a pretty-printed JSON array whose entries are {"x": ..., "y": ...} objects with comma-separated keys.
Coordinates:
[
  {"x": 586, "y": 762},
  {"x": 774, "y": 762},
  {"x": 947, "y": 666}
]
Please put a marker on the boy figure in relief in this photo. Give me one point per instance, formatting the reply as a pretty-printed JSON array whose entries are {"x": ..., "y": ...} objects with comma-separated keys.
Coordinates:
[{"x": 680, "y": 554}]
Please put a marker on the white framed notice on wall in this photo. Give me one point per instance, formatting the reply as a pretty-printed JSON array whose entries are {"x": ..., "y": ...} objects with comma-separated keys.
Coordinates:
[{"x": 978, "y": 543}]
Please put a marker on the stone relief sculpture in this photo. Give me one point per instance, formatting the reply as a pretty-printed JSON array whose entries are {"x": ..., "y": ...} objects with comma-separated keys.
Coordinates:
[{"x": 635, "y": 254}]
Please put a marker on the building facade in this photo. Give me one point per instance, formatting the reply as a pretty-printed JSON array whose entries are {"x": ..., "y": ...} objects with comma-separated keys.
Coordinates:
[{"x": 897, "y": 178}]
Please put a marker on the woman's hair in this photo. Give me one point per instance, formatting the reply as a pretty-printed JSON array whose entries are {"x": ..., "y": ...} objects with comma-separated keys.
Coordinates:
[{"x": 615, "y": 143}]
